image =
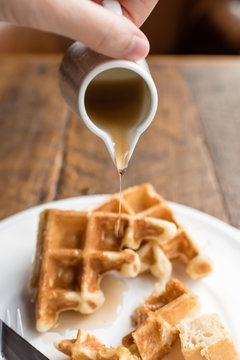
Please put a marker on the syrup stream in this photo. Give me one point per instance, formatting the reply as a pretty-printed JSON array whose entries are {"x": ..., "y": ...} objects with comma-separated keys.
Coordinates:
[{"x": 119, "y": 228}]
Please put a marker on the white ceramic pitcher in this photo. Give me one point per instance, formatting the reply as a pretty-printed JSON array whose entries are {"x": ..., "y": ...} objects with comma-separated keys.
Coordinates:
[{"x": 81, "y": 66}]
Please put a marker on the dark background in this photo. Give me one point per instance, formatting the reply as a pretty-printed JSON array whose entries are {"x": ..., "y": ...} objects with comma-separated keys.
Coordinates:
[{"x": 174, "y": 27}]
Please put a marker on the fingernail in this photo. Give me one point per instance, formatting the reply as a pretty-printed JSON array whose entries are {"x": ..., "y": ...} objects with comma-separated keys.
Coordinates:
[{"x": 138, "y": 49}]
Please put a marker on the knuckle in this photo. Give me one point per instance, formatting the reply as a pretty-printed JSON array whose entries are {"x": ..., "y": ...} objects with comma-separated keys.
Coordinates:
[
  {"x": 112, "y": 37},
  {"x": 104, "y": 35}
]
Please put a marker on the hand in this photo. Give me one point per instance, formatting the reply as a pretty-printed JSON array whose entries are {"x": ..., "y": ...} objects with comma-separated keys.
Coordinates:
[{"x": 86, "y": 21}]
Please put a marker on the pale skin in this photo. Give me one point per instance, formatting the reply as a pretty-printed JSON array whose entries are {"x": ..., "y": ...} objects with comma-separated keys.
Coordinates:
[{"x": 86, "y": 21}]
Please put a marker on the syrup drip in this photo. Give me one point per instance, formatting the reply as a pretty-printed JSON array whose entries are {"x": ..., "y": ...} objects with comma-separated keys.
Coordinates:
[
  {"x": 113, "y": 288},
  {"x": 119, "y": 225}
]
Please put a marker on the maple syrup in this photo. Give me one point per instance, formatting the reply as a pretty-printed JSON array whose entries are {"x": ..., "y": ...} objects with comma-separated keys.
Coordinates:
[
  {"x": 113, "y": 288},
  {"x": 117, "y": 101},
  {"x": 119, "y": 227}
]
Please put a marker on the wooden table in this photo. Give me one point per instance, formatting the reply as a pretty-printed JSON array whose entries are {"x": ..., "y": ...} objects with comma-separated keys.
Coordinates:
[{"x": 190, "y": 153}]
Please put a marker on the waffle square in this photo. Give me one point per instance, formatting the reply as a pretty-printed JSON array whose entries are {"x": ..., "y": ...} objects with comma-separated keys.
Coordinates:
[
  {"x": 74, "y": 251},
  {"x": 157, "y": 320},
  {"x": 144, "y": 201},
  {"x": 87, "y": 347}
]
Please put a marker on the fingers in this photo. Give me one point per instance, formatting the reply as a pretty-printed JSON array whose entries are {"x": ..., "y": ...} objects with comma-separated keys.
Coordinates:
[{"x": 82, "y": 20}]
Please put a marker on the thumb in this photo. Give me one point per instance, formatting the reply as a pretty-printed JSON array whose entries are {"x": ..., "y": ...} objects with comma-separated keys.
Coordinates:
[{"x": 82, "y": 20}]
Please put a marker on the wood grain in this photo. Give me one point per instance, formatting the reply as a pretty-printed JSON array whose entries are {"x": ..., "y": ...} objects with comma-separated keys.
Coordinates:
[
  {"x": 189, "y": 155},
  {"x": 217, "y": 99},
  {"x": 32, "y": 129},
  {"x": 171, "y": 154}
]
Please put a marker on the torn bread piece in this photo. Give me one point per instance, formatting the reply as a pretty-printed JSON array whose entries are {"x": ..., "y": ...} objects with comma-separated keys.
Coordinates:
[{"x": 205, "y": 338}]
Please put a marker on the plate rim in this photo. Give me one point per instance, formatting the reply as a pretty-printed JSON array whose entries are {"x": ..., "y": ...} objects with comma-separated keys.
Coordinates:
[
  {"x": 31, "y": 214},
  {"x": 178, "y": 208}
]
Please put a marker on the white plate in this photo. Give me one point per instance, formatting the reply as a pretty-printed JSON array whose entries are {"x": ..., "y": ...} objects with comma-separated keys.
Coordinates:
[{"x": 220, "y": 292}]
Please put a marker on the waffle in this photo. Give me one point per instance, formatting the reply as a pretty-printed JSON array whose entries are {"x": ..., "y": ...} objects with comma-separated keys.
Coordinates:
[
  {"x": 74, "y": 251},
  {"x": 144, "y": 201},
  {"x": 157, "y": 320},
  {"x": 167, "y": 315},
  {"x": 87, "y": 347}
]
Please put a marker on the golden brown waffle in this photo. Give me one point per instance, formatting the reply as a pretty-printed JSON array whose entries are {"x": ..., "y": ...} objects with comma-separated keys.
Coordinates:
[
  {"x": 74, "y": 251},
  {"x": 87, "y": 347},
  {"x": 144, "y": 201},
  {"x": 157, "y": 320},
  {"x": 166, "y": 314}
]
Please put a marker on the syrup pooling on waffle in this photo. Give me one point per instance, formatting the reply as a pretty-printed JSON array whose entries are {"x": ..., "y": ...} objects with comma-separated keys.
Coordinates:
[
  {"x": 74, "y": 251},
  {"x": 144, "y": 201},
  {"x": 157, "y": 320},
  {"x": 87, "y": 347}
]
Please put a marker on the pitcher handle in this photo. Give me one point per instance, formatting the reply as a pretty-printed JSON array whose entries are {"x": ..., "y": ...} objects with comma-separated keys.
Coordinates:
[{"x": 113, "y": 6}]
